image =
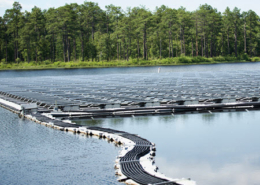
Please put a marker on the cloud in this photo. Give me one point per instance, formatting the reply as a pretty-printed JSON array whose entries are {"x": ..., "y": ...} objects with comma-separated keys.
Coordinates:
[
  {"x": 6, "y": 3},
  {"x": 27, "y": 7},
  {"x": 204, "y": 174}
]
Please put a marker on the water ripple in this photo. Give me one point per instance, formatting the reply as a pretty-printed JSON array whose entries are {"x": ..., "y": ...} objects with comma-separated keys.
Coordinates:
[{"x": 31, "y": 153}]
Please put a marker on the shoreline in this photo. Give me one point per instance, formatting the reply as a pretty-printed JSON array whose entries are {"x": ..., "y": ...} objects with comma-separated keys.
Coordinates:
[{"x": 82, "y": 65}]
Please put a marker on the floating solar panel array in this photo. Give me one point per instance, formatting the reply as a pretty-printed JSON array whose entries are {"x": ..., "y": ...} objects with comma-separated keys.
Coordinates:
[{"x": 149, "y": 89}]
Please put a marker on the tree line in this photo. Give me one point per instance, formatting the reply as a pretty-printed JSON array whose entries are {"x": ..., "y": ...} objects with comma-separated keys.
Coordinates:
[{"x": 86, "y": 32}]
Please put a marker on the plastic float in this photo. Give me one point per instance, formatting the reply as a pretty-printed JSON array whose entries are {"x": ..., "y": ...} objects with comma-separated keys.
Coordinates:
[{"x": 135, "y": 162}]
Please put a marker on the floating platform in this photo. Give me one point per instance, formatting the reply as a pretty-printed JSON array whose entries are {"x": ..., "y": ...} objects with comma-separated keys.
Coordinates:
[
  {"x": 134, "y": 90},
  {"x": 55, "y": 101},
  {"x": 130, "y": 168}
]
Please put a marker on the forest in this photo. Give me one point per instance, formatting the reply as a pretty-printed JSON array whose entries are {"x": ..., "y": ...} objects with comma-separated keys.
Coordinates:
[{"x": 75, "y": 33}]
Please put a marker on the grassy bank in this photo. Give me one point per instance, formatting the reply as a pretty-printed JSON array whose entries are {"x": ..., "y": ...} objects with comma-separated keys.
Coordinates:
[{"x": 132, "y": 62}]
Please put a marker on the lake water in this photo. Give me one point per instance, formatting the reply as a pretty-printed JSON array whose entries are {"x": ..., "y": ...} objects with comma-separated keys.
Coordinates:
[
  {"x": 31, "y": 153},
  {"x": 131, "y": 70},
  {"x": 215, "y": 149}
]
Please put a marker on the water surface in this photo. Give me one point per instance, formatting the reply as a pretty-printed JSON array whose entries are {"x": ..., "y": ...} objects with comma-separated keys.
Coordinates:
[
  {"x": 215, "y": 149},
  {"x": 31, "y": 153},
  {"x": 131, "y": 70},
  {"x": 212, "y": 149}
]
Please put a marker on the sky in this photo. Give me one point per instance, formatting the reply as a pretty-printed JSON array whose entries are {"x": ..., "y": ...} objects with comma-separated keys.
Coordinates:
[{"x": 190, "y": 5}]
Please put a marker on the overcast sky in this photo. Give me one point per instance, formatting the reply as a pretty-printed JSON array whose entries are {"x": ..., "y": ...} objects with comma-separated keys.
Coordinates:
[{"x": 150, "y": 4}]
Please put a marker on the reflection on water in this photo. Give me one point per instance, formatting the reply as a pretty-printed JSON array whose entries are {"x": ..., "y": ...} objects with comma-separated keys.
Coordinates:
[
  {"x": 117, "y": 121},
  {"x": 131, "y": 70},
  {"x": 226, "y": 152},
  {"x": 94, "y": 122},
  {"x": 231, "y": 173},
  {"x": 166, "y": 119},
  {"x": 31, "y": 153},
  {"x": 213, "y": 149},
  {"x": 208, "y": 118}
]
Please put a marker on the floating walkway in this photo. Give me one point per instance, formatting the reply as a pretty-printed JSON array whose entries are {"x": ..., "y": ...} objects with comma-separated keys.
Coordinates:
[
  {"x": 135, "y": 163},
  {"x": 55, "y": 101},
  {"x": 77, "y": 112}
]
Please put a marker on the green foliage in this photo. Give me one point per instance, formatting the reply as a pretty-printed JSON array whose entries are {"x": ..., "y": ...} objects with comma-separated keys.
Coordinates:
[
  {"x": 245, "y": 57},
  {"x": 183, "y": 60},
  {"x": 57, "y": 64},
  {"x": 220, "y": 58},
  {"x": 18, "y": 60},
  {"x": 46, "y": 62},
  {"x": 255, "y": 59},
  {"x": 84, "y": 35}
]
